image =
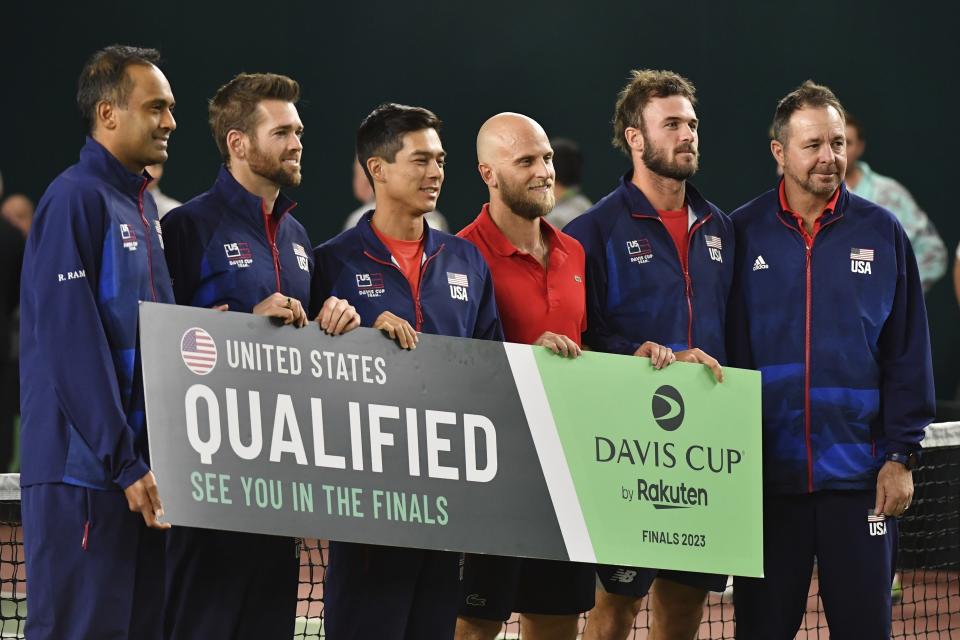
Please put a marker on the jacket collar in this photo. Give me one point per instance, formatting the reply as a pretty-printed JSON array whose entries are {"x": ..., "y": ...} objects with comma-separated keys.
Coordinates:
[
  {"x": 498, "y": 242},
  {"x": 432, "y": 240},
  {"x": 638, "y": 205},
  {"x": 95, "y": 158},
  {"x": 245, "y": 203},
  {"x": 833, "y": 211}
]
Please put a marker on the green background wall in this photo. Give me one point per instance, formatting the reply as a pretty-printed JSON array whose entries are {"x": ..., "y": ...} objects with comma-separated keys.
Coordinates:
[{"x": 562, "y": 63}]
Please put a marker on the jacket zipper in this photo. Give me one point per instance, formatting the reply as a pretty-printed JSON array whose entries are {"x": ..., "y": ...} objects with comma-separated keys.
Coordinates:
[
  {"x": 808, "y": 323},
  {"x": 417, "y": 308},
  {"x": 146, "y": 227},
  {"x": 687, "y": 280},
  {"x": 272, "y": 240}
]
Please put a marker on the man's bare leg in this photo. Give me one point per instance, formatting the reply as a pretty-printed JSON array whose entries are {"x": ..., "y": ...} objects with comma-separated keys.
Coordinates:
[
  {"x": 535, "y": 626},
  {"x": 612, "y": 617},
  {"x": 675, "y": 610},
  {"x": 477, "y": 629}
]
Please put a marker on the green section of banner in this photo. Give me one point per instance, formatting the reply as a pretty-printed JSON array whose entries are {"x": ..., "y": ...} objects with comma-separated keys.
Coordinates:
[{"x": 668, "y": 471}]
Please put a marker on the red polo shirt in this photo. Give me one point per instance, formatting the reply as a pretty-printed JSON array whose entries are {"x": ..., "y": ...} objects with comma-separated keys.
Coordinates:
[
  {"x": 807, "y": 237},
  {"x": 531, "y": 299}
]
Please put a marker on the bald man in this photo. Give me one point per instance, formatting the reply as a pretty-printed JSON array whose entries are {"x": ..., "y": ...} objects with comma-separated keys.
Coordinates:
[{"x": 538, "y": 275}]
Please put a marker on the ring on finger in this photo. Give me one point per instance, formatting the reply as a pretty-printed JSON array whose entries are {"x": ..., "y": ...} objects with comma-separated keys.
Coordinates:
[{"x": 289, "y": 302}]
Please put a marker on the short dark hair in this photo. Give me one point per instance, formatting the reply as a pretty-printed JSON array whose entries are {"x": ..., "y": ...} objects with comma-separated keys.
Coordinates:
[
  {"x": 567, "y": 161},
  {"x": 234, "y": 105},
  {"x": 381, "y": 133},
  {"x": 104, "y": 78},
  {"x": 644, "y": 86},
  {"x": 809, "y": 94}
]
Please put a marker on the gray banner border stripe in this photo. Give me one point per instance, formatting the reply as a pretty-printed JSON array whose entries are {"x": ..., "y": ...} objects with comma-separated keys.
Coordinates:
[{"x": 563, "y": 493}]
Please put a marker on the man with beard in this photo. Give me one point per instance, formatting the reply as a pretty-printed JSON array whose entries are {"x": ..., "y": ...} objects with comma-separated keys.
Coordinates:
[
  {"x": 828, "y": 304},
  {"x": 90, "y": 503},
  {"x": 426, "y": 280},
  {"x": 659, "y": 267},
  {"x": 237, "y": 247},
  {"x": 538, "y": 275}
]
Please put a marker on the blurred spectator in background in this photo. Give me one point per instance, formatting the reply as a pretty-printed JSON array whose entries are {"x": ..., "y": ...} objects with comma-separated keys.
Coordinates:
[
  {"x": 17, "y": 209},
  {"x": 164, "y": 202},
  {"x": 568, "y": 163},
  {"x": 363, "y": 192},
  {"x": 888, "y": 193},
  {"x": 11, "y": 259}
]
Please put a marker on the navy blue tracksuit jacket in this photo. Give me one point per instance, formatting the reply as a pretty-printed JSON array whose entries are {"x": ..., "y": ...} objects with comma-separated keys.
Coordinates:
[
  {"x": 839, "y": 332},
  {"x": 637, "y": 289},
  {"x": 357, "y": 266},
  {"x": 93, "y": 253},
  {"x": 223, "y": 248}
]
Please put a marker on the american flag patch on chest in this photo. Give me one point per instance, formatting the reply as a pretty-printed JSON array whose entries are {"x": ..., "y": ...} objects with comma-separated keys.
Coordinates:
[
  {"x": 713, "y": 242},
  {"x": 861, "y": 254},
  {"x": 459, "y": 279}
]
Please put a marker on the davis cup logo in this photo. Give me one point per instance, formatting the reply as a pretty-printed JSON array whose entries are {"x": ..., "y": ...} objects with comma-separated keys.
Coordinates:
[
  {"x": 198, "y": 350},
  {"x": 668, "y": 408}
]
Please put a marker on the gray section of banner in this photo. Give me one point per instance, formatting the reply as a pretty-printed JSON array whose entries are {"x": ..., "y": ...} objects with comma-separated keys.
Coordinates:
[{"x": 511, "y": 514}]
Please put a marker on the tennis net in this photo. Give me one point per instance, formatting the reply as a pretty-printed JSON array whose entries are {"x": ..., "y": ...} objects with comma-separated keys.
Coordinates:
[{"x": 926, "y": 592}]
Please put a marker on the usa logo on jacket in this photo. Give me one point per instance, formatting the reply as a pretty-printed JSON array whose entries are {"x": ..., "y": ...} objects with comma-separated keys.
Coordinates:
[
  {"x": 458, "y": 286},
  {"x": 860, "y": 260},
  {"x": 301, "y": 254},
  {"x": 715, "y": 247}
]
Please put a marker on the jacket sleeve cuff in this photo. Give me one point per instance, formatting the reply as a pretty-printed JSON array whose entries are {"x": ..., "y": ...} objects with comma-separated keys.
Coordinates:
[
  {"x": 131, "y": 473},
  {"x": 905, "y": 448}
]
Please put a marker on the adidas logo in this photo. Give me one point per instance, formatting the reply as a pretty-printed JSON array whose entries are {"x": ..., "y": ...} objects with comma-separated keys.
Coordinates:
[{"x": 759, "y": 263}]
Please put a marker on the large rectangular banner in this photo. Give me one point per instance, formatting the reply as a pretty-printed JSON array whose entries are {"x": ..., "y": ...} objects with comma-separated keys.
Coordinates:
[{"x": 463, "y": 445}]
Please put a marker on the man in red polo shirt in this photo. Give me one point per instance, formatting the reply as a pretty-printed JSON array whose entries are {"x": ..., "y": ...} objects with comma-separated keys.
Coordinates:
[{"x": 538, "y": 275}]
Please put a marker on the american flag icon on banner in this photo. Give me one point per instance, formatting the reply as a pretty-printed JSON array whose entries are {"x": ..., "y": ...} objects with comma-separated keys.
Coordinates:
[
  {"x": 198, "y": 350},
  {"x": 714, "y": 242},
  {"x": 861, "y": 254},
  {"x": 459, "y": 279}
]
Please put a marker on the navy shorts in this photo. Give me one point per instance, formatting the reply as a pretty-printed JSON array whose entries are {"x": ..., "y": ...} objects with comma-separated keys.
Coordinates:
[
  {"x": 636, "y": 581},
  {"x": 104, "y": 580},
  {"x": 855, "y": 555},
  {"x": 226, "y": 584},
  {"x": 496, "y": 586},
  {"x": 390, "y": 593}
]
